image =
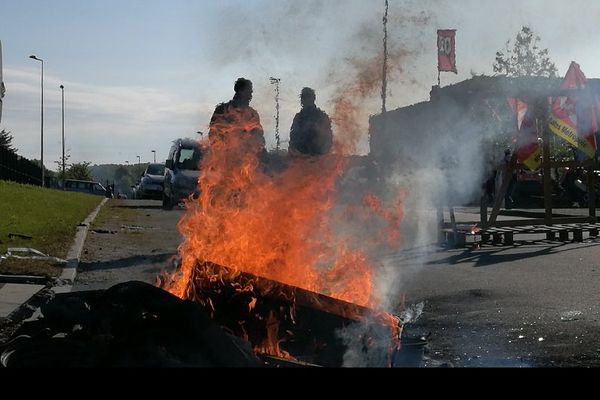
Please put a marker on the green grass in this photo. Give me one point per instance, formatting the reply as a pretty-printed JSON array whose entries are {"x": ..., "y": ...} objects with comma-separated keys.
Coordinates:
[{"x": 49, "y": 216}]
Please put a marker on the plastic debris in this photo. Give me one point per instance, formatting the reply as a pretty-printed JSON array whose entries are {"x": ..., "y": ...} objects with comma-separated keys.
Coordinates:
[
  {"x": 570, "y": 315},
  {"x": 27, "y": 253},
  {"x": 412, "y": 313}
]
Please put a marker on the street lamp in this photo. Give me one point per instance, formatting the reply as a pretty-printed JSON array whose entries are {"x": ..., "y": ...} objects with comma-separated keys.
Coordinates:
[
  {"x": 42, "y": 118},
  {"x": 154, "y": 151},
  {"x": 139, "y": 166},
  {"x": 62, "y": 89}
]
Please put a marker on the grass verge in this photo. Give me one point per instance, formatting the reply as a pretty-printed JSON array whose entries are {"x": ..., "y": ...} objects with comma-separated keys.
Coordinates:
[{"x": 49, "y": 217}]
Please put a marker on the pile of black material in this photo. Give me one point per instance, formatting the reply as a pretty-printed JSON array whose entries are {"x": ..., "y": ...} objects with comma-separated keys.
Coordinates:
[{"x": 132, "y": 324}]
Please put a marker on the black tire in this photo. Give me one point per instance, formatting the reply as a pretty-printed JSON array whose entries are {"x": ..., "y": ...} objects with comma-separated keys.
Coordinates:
[{"x": 167, "y": 202}]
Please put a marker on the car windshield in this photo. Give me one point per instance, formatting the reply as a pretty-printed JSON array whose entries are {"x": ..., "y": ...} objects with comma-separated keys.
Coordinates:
[
  {"x": 155, "y": 169},
  {"x": 189, "y": 158}
]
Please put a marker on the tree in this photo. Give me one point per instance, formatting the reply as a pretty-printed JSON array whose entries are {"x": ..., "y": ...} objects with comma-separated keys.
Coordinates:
[
  {"x": 120, "y": 172},
  {"x": 6, "y": 141},
  {"x": 80, "y": 171},
  {"x": 59, "y": 164},
  {"x": 525, "y": 58}
]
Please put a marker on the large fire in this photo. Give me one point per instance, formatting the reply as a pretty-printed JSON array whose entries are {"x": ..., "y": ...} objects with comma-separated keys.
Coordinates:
[
  {"x": 285, "y": 222},
  {"x": 276, "y": 223}
]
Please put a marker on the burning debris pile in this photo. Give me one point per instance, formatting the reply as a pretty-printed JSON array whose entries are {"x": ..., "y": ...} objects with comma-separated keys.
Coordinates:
[
  {"x": 287, "y": 322},
  {"x": 135, "y": 324},
  {"x": 267, "y": 245}
]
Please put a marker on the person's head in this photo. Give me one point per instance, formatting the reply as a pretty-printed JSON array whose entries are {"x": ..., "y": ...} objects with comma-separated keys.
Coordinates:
[
  {"x": 307, "y": 97},
  {"x": 243, "y": 90}
]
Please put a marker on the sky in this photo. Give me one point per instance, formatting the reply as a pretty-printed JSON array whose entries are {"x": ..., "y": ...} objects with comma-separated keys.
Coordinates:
[{"x": 140, "y": 73}]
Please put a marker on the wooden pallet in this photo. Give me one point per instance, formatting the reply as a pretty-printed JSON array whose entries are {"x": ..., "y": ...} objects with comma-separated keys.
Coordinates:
[{"x": 506, "y": 235}]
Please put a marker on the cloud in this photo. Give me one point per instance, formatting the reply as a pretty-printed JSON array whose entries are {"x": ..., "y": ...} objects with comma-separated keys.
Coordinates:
[{"x": 102, "y": 123}]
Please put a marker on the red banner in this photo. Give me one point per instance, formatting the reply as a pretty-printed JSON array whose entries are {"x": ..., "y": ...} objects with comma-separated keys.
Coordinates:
[
  {"x": 528, "y": 148},
  {"x": 446, "y": 50},
  {"x": 574, "y": 118}
]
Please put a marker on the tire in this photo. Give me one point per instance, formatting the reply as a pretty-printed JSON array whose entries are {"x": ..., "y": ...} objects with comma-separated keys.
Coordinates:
[{"x": 167, "y": 202}]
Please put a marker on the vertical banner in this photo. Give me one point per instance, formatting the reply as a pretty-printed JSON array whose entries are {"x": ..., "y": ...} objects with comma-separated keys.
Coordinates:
[
  {"x": 528, "y": 148},
  {"x": 573, "y": 118},
  {"x": 446, "y": 50}
]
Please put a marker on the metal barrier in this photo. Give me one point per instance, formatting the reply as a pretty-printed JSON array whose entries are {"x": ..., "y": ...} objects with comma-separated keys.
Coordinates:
[{"x": 15, "y": 168}]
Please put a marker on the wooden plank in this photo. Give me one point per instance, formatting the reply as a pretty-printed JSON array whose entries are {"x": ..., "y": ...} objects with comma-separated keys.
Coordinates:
[
  {"x": 563, "y": 236},
  {"x": 440, "y": 219},
  {"x": 507, "y": 177},
  {"x": 572, "y": 164},
  {"x": 483, "y": 216},
  {"x": 278, "y": 291},
  {"x": 529, "y": 222},
  {"x": 496, "y": 238},
  {"x": 547, "y": 171},
  {"x": 591, "y": 182}
]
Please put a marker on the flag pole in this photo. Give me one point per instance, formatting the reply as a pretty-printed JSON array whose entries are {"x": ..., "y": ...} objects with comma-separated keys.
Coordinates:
[
  {"x": 437, "y": 39},
  {"x": 385, "y": 59}
]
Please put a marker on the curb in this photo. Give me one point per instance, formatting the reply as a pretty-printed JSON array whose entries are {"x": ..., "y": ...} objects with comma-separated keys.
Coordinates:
[{"x": 65, "y": 281}]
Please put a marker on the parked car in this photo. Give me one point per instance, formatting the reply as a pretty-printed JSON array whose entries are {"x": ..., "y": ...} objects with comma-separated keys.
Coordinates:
[
  {"x": 73, "y": 185},
  {"x": 181, "y": 172},
  {"x": 151, "y": 182}
]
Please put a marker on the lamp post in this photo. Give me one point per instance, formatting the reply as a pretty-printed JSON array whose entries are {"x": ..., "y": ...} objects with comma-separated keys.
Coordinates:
[
  {"x": 62, "y": 89},
  {"x": 139, "y": 166},
  {"x": 276, "y": 81},
  {"x": 42, "y": 119},
  {"x": 154, "y": 151}
]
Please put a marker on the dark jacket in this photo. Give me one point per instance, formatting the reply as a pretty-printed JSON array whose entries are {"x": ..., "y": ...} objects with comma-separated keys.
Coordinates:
[
  {"x": 311, "y": 132},
  {"x": 233, "y": 119}
]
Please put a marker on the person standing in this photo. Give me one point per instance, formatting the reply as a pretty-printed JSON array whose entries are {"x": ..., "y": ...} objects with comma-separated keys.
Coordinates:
[
  {"x": 310, "y": 133},
  {"x": 235, "y": 123}
]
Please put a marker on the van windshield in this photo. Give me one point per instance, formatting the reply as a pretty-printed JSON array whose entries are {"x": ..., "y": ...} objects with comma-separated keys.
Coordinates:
[
  {"x": 189, "y": 158},
  {"x": 155, "y": 169}
]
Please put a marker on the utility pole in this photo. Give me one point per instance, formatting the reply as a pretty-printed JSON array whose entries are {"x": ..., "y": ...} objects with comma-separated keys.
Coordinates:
[
  {"x": 33, "y": 57},
  {"x": 276, "y": 81},
  {"x": 385, "y": 59},
  {"x": 62, "y": 89}
]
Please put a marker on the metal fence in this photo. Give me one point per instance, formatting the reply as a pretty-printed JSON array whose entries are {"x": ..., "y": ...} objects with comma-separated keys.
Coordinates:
[{"x": 15, "y": 168}]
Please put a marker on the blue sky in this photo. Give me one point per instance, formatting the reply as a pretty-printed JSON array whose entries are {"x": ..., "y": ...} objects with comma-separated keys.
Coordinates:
[{"x": 139, "y": 74}]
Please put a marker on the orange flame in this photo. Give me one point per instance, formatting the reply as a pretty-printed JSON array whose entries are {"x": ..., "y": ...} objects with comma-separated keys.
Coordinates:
[{"x": 282, "y": 224}]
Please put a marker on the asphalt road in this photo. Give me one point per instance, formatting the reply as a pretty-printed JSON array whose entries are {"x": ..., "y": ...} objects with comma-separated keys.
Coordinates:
[
  {"x": 536, "y": 304},
  {"x": 533, "y": 305},
  {"x": 136, "y": 242}
]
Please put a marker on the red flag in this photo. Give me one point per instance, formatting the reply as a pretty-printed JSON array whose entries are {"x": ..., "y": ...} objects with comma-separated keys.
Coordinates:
[
  {"x": 573, "y": 118},
  {"x": 528, "y": 148},
  {"x": 446, "y": 50},
  {"x": 574, "y": 79},
  {"x": 520, "y": 108}
]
